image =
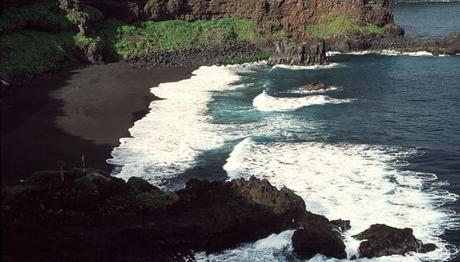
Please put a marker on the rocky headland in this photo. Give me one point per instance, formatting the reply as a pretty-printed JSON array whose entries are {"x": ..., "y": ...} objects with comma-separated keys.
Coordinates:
[
  {"x": 195, "y": 32},
  {"x": 84, "y": 215}
]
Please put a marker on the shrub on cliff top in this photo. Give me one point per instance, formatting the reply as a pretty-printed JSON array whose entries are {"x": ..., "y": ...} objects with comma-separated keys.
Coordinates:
[
  {"x": 31, "y": 52},
  {"x": 335, "y": 24},
  {"x": 41, "y": 16}
]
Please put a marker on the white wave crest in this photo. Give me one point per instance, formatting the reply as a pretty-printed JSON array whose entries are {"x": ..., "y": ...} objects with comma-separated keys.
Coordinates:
[
  {"x": 303, "y": 91},
  {"x": 313, "y": 67},
  {"x": 170, "y": 137},
  {"x": 271, "y": 248},
  {"x": 265, "y": 102},
  {"x": 357, "y": 182}
]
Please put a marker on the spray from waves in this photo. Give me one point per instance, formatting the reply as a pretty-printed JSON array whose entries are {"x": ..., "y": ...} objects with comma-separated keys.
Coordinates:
[
  {"x": 358, "y": 182},
  {"x": 267, "y": 103},
  {"x": 273, "y": 248},
  {"x": 386, "y": 53},
  {"x": 168, "y": 140}
]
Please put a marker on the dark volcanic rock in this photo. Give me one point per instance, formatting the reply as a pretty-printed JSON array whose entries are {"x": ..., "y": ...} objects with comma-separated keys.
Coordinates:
[
  {"x": 94, "y": 217},
  {"x": 343, "y": 225},
  {"x": 228, "y": 53},
  {"x": 383, "y": 240},
  {"x": 312, "y": 52},
  {"x": 311, "y": 240},
  {"x": 452, "y": 43}
]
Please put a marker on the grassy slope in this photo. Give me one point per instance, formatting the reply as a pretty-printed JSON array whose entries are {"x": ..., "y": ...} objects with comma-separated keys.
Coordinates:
[
  {"x": 40, "y": 37},
  {"x": 336, "y": 24},
  {"x": 128, "y": 40}
]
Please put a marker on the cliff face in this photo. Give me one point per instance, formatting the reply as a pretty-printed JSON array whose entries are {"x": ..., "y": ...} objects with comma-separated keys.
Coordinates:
[{"x": 293, "y": 15}]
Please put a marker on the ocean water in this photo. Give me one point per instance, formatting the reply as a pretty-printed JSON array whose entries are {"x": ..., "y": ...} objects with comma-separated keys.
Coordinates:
[
  {"x": 380, "y": 145},
  {"x": 428, "y": 18}
]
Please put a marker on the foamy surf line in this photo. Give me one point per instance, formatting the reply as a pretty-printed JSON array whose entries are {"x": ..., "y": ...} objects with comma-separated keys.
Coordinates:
[
  {"x": 313, "y": 67},
  {"x": 385, "y": 53},
  {"x": 167, "y": 141},
  {"x": 358, "y": 182},
  {"x": 267, "y": 103}
]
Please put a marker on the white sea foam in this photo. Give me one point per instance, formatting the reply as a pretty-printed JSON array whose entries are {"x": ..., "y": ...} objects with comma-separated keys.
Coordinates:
[
  {"x": 303, "y": 91},
  {"x": 313, "y": 67},
  {"x": 357, "y": 182},
  {"x": 272, "y": 248},
  {"x": 384, "y": 52},
  {"x": 168, "y": 140},
  {"x": 265, "y": 102}
]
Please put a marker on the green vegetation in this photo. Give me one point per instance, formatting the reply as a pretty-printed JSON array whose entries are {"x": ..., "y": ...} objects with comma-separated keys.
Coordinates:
[
  {"x": 41, "y": 16},
  {"x": 40, "y": 37},
  {"x": 85, "y": 14},
  {"x": 31, "y": 52},
  {"x": 84, "y": 41},
  {"x": 336, "y": 24},
  {"x": 128, "y": 40}
]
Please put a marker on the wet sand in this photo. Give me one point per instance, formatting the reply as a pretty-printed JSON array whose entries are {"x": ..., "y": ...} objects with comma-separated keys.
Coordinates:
[{"x": 73, "y": 112}]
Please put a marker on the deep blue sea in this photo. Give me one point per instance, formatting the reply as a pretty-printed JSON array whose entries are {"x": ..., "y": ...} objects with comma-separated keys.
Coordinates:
[
  {"x": 428, "y": 19},
  {"x": 380, "y": 145}
]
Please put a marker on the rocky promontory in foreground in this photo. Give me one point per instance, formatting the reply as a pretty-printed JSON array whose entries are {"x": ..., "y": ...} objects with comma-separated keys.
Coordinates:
[{"x": 83, "y": 215}]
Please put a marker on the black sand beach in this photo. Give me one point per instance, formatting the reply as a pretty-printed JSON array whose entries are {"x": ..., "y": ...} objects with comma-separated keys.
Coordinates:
[{"x": 73, "y": 112}]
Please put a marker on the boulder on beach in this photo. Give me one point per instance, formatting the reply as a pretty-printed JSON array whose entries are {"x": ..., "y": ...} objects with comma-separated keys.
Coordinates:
[{"x": 382, "y": 240}]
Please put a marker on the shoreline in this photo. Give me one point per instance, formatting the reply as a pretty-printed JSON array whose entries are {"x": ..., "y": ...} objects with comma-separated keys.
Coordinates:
[{"x": 78, "y": 110}]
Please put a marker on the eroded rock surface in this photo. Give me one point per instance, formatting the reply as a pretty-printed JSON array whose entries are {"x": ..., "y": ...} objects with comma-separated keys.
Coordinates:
[
  {"x": 87, "y": 216},
  {"x": 383, "y": 240},
  {"x": 312, "y": 52}
]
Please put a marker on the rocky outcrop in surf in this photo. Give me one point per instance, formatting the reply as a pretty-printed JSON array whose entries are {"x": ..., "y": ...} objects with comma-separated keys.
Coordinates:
[
  {"x": 311, "y": 240},
  {"x": 382, "y": 240},
  {"x": 312, "y": 52},
  {"x": 87, "y": 216},
  {"x": 315, "y": 86}
]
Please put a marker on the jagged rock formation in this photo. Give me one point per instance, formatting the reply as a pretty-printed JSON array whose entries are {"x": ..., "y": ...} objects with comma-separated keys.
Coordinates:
[
  {"x": 77, "y": 216},
  {"x": 383, "y": 240},
  {"x": 295, "y": 16},
  {"x": 312, "y": 52}
]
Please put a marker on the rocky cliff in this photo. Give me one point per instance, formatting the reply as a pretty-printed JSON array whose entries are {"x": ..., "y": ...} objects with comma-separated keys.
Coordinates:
[{"x": 295, "y": 16}]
